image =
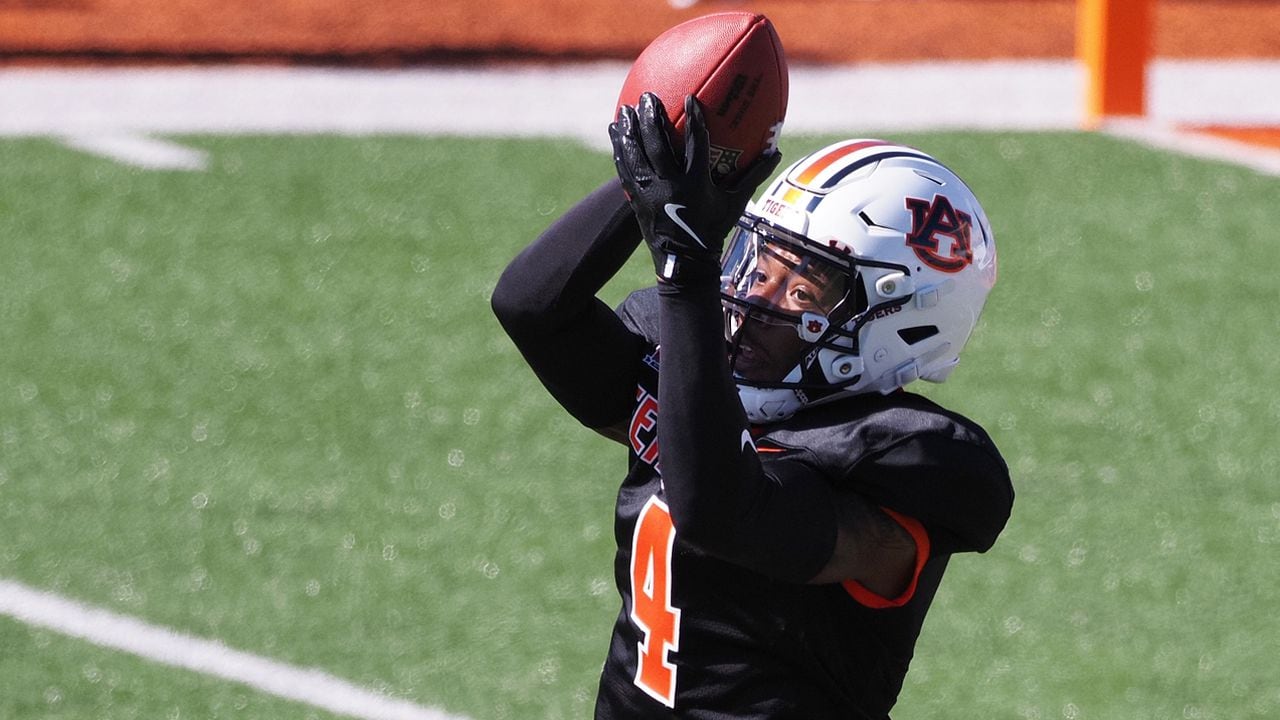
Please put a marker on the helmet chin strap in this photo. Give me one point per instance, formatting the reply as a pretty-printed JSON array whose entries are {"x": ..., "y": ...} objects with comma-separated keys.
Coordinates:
[{"x": 769, "y": 405}]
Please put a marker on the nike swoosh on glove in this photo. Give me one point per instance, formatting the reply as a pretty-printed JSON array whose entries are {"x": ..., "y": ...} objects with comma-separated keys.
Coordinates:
[{"x": 683, "y": 214}]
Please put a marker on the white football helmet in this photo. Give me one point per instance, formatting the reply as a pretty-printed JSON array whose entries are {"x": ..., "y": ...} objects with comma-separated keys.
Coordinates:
[{"x": 863, "y": 267}]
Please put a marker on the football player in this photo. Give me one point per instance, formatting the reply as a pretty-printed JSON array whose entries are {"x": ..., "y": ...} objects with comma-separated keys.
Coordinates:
[{"x": 789, "y": 508}]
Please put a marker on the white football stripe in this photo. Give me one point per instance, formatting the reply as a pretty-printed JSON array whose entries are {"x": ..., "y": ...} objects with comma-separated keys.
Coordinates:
[{"x": 305, "y": 685}]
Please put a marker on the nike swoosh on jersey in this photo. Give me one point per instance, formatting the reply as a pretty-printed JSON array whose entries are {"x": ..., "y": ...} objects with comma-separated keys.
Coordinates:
[{"x": 673, "y": 212}]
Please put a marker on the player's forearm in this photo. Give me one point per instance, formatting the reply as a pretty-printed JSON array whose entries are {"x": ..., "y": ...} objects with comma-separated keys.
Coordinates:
[
  {"x": 545, "y": 301},
  {"x": 702, "y": 428},
  {"x": 720, "y": 496},
  {"x": 555, "y": 279}
]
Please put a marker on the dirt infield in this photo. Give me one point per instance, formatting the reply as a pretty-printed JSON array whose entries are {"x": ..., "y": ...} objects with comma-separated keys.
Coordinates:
[{"x": 399, "y": 32}]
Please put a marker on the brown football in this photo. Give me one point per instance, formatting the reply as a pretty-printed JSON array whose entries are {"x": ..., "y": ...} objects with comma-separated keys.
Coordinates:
[{"x": 734, "y": 64}]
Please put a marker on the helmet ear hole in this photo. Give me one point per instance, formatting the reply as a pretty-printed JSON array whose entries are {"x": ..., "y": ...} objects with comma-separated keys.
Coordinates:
[
  {"x": 920, "y": 333},
  {"x": 846, "y": 367},
  {"x": 894, "y": 285},
  {"x": 840, "y": 367}
]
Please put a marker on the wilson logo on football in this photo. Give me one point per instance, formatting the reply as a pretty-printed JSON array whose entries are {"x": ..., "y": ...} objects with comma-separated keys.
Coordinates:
[{"x": 935, "y": 224}]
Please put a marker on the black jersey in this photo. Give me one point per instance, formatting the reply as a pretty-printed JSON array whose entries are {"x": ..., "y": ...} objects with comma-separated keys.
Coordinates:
[
  {"x": 718, "y": 619},
  {"x": 698, "y": 637}
]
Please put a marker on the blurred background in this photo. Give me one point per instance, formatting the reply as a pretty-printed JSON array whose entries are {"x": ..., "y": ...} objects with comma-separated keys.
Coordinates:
[
  {"x": 398, "y": 32},
  {"x": 252, "y": 398}
]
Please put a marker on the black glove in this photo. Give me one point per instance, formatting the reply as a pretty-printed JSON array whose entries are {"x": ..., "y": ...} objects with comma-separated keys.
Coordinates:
[{"x": 684, "y": 216}]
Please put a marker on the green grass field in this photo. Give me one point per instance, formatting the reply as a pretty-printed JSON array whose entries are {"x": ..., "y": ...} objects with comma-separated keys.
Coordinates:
[{"x": 268, "y": 404}]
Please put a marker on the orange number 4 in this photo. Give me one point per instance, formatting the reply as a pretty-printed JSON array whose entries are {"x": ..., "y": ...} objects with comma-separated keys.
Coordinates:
[{"x": 651, "y": 608}]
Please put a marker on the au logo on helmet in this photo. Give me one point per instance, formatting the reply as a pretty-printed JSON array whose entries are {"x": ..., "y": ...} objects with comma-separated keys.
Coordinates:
[{"x": 935, "y": 220}]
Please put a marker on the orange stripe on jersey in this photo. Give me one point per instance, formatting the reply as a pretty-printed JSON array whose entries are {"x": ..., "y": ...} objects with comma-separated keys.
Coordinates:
[
  {"x": 824, "y": 162},
  {"x": 921, "y": 538}
]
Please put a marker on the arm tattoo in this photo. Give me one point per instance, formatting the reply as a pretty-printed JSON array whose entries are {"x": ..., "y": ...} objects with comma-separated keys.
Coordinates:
[{"x": 872, "y": 528}]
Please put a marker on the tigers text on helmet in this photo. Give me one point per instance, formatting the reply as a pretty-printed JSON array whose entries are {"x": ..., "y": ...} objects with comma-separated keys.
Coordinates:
[{"x": 863, "y": 267}]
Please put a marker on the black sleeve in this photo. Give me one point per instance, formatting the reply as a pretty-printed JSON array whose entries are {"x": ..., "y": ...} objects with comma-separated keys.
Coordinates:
[
  {"x": 781, "y": 523},
  {"x": 959, "y": 491},
  {"x": 545, "y": 300}
]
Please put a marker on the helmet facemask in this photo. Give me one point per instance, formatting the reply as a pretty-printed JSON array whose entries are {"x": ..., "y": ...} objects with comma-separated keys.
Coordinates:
[{"x": 792, "y": 310}]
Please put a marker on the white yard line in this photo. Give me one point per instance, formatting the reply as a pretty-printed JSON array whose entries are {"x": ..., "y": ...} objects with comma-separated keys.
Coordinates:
[
  {"x": 518, "y": 101},
  {"x": 140, "y": 151},
  {"x": 992, "y": 95},
  {"x": 1208, "y": 92},
  {"x": 114, "y": 112},
  {"x": 577, "y": 99},
  {"x": 107, "y": 629},
  {"x": 1260, "y": 159},
  {"x": 564, "y": 100}
]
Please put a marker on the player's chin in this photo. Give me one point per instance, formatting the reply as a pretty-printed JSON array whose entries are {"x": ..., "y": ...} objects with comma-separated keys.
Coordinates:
[
  {"x": 766, "y": 352},
  {"x": 751, "y": 365}
]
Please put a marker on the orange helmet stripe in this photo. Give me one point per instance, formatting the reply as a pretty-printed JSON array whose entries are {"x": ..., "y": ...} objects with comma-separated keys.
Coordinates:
[{"x": 822, "y": 163}]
